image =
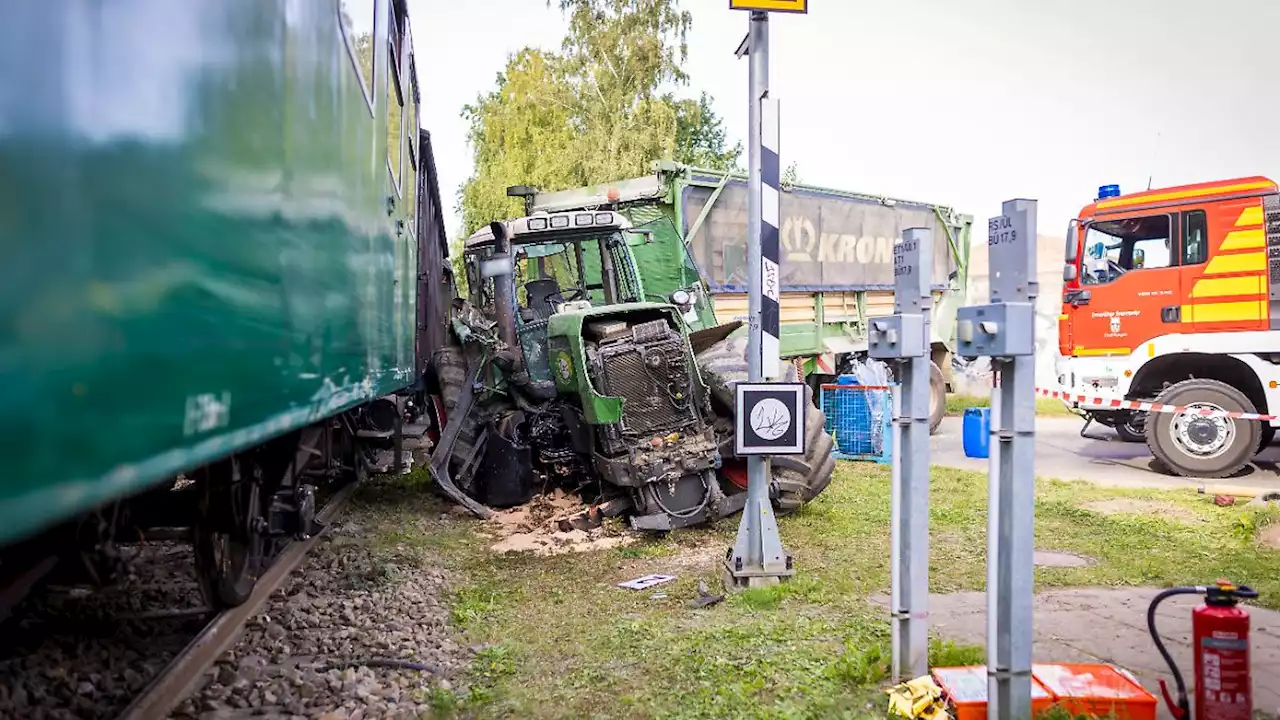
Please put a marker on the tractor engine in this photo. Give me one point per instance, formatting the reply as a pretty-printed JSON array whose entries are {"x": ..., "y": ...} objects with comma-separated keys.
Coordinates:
[
  {"x": 646, "y": 364},
  {"x": 663, "y": 450}
]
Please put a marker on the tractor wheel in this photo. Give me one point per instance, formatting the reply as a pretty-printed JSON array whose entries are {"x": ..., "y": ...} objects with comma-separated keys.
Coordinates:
[
  {"x": 451, "y": 371},
  {"x": 937, "y": 397},
  {"x": 1194, "y": 445},
  {"x": 799, "y": 478}
]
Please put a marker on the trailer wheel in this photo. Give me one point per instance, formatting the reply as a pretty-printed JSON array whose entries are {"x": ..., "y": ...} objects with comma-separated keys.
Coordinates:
[
  {"x": 937, "y": 397},
  {"x": 799, "y": 479},
  {"x": 1193, "y": 445}
]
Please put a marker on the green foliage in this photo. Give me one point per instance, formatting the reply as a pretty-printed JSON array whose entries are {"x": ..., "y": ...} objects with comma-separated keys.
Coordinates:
[
  {"x": 701, "y": 140},
  {"x": 790, "y": 176},
  {"x": 600, "y": 109}
]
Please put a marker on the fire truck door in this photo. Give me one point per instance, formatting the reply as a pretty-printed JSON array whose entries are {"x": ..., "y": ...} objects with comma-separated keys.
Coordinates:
[{"x": 1131, "y": 283}]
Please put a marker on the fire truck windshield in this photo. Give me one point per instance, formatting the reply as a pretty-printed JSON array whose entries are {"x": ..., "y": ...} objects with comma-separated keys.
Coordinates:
[{"x": 1115, "y": 247}]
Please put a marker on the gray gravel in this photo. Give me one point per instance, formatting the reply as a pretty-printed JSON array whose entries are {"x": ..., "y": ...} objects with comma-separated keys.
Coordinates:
[
  {"x": 354, "y": 601},
  {"x": 350, "y": 604},
  {"x": 59, "y": 659}
]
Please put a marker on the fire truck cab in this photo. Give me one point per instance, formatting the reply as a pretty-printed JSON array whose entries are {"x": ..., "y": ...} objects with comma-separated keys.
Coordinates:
[{"x": 1173, "y": 296}]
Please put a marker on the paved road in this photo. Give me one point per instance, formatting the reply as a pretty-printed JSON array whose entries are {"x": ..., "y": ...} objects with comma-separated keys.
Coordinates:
[{"x": 1061, "y": 453}]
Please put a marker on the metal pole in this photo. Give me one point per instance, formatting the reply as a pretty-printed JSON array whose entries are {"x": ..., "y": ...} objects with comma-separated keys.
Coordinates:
[
  {"x": 757, "y": 466},
  {"x": 1004, "y": 330},
  {"x": 904, "y": 339},
  {"x": 757, "y": 556}
]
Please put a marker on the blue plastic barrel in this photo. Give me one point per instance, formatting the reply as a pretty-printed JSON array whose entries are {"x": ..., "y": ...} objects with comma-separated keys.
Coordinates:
[{"x": 977, "y": 432}]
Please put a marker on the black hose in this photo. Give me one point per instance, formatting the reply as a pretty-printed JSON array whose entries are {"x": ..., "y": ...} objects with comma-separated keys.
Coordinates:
[
  {"x": 379, "y": 663},
  {"x": 1155, "y": 637}
]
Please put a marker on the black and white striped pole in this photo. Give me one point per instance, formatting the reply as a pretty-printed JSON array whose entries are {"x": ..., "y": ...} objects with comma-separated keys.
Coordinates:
[{"x": 757, "y": 557}]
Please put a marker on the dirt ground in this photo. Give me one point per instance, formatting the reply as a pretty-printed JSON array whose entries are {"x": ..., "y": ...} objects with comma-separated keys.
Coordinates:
[{"x": 534, "y": 527}]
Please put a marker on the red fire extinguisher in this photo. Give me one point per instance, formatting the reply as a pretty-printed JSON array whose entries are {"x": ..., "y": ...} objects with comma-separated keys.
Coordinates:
[{"x": 1220, "y": 635}]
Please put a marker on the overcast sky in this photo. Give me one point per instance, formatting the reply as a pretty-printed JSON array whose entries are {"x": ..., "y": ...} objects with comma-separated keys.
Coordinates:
[{"x": 958, "y": 102}]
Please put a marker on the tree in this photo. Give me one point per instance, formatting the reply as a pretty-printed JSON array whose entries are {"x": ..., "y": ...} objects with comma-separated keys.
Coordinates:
[
  {"x": 600, "y": 109},
  {"x": 701, "y": 138},
  {"x": 790, "y": 176}
]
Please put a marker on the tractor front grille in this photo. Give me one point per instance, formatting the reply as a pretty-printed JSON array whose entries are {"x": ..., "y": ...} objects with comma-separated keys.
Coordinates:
[{"x": 652, "y": 374}]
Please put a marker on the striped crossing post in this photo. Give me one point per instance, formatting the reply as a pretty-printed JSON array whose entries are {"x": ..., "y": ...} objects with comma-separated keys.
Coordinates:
[
  {"x": 770, "y": 275},
  {"x": 757, "y": 557}
]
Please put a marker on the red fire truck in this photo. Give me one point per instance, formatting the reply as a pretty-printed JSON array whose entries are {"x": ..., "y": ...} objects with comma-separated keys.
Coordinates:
[{"x": 1172, "y": 296}]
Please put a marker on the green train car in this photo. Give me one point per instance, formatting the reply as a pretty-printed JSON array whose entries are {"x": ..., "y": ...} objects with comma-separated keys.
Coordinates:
[{"x": 220, "y": 241}]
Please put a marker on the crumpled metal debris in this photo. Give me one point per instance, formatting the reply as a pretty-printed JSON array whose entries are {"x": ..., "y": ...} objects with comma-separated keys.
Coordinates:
[{"x": 918, "y": 699}]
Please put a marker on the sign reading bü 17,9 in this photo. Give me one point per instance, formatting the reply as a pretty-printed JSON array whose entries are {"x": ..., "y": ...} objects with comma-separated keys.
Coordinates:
[{"x": 793, "y": 6}]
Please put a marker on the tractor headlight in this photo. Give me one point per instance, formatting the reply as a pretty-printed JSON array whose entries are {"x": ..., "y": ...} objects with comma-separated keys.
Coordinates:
[{"x": 681, "y": 298}]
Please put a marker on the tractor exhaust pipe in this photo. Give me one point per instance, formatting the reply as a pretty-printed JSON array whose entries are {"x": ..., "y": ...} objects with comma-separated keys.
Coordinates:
[{"x": 501, "y": 268}]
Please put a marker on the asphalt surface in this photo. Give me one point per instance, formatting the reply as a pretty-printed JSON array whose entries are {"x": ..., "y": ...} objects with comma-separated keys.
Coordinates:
[{"x": 1107, "y": 460}]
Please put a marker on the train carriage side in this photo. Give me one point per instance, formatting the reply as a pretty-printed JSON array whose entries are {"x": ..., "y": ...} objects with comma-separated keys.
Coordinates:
[{"x": 209, "y": 246}]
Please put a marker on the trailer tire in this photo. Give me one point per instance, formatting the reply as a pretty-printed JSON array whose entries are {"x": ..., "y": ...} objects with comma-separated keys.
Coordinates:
[
  {"x": 937, "y": 397},
  {"x": 1174, "y": 437},
  {"x": 798, "y": 479}
]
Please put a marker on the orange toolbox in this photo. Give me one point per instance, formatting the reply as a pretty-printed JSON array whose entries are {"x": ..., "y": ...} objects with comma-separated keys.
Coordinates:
[{"x": 1099, "y": 690}]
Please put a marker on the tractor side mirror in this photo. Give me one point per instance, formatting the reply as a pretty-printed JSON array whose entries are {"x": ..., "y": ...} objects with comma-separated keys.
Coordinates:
[
  {"x": 1139, "y": 258},
  {"x": 646, "y": 234}
]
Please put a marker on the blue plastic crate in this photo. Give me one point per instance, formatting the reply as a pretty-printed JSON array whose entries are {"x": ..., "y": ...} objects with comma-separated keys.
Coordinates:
[{"x": 859, "y": 419}]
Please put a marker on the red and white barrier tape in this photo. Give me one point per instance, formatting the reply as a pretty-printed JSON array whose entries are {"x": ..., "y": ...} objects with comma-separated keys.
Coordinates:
[{"x": 1094, "y": 402}]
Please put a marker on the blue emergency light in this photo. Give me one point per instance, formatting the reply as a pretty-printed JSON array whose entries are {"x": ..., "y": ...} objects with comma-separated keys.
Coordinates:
[{"x": 1108, "y": 191}]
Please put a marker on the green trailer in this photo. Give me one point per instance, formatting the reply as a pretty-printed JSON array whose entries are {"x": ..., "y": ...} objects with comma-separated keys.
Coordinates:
[{"x": 837, "y": 259}]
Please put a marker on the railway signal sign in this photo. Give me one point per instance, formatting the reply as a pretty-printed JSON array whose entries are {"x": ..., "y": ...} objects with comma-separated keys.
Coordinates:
[
  {"x": 791, "y": 6},
  {"x": 770, "y": 418}
]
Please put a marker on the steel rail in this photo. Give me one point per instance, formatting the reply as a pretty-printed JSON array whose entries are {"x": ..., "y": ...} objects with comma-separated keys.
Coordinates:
[{"x": 182, "y": 676}]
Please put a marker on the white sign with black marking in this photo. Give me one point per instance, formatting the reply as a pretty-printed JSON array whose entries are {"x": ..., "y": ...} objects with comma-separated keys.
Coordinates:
[{"x": 770, "y": 418}]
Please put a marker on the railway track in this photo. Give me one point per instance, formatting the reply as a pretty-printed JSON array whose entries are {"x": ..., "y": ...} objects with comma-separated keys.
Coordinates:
[{"x": 183, "y": 674}]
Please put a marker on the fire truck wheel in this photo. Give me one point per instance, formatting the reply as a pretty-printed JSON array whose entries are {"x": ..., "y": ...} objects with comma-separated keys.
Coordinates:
[
  {"x": 1132, "y": 426},
  {"x": 1194, "y": 445},
  {"x": 1268, "y": 434},
  {"x": 937, "y": 397}
]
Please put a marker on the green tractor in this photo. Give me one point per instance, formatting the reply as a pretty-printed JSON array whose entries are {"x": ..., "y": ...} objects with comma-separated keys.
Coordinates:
[{"x": 558, "y": 373}]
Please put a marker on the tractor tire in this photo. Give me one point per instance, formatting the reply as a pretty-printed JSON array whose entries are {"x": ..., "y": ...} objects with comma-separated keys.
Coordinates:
[
  {"x": 937, "y": 397},
  {"x": 1207, "y": 447},
  {"x": 451, "y": 372},
  {"x": 799, "y": 479}
]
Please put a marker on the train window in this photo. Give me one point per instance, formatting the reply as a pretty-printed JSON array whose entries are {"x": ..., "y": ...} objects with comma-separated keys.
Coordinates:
[
  {"x": 395, "y": 122},
  {"x": 355, "y": 18},
  {"x": 410, "y": 85},
  {"x": 395, "y": 101}
]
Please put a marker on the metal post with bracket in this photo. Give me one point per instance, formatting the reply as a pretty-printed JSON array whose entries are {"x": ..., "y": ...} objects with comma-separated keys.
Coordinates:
[
  {"x": 1004, "y": 330},
  {"x": 903, "y": 339},
  {"x": 757, "y": 556}
]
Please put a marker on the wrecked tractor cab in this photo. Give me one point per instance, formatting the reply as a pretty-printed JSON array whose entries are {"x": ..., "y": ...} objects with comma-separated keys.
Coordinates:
[{"x": 559, "y": 373}]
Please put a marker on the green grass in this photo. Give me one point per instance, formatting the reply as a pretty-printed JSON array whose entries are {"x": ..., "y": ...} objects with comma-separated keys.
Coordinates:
[
  {"x": 561, "y": 640},
  {"x": 956, "y": 404}
]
